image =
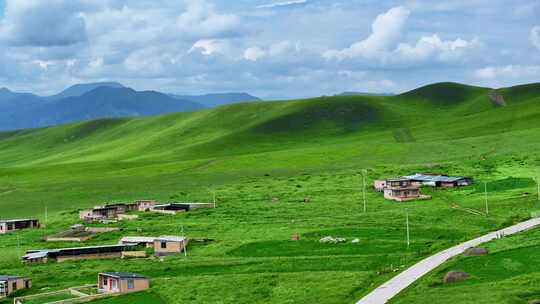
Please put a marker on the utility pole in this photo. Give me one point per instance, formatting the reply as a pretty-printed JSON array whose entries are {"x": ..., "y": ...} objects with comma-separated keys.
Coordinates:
[
  {"x": 486, "y": 198},
  {"x": 407, "y": 222},
  {"x": 538, "y": 186},
  {"x": 364, "y": 189},
  {"x": 184, "y": 244}
]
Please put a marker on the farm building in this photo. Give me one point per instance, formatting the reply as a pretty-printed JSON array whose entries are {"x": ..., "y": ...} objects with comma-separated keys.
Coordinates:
[
  {"x": 79, "y": 253},
  {"x": 173, "y": 208},
  {"x": 402, "y": 189},
  {"x": 121, "y": 282},
  {"x": 107, "y": 212},
  {"x": 147, "y": 241},
  {"x": 170, "y": 245},
  {"x": 163, "y": 245},
  {"x": 145, "y": 205},
  {"x": 435, "y": 180},
  {"x": 12, "y": 225},
  {"x": 10, "y": 284}
]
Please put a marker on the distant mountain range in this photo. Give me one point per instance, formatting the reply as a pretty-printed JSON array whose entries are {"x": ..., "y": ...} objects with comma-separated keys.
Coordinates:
[
  {"x": 214, "y": 100},
  {"x": 99, "y": 100},
  {"x": 363, "y": 94}
]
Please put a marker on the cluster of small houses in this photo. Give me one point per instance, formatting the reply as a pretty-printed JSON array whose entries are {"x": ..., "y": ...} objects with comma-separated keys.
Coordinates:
[
  {"x": 129, "y": 246},
  {"x": 115, "y": 211},
  {"x": 407, "y": 188}
]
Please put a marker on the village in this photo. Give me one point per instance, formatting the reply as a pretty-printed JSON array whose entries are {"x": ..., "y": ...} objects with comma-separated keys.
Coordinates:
[
  {"x": 108, "y": 283},
  {"x": 401, "y": 189}
]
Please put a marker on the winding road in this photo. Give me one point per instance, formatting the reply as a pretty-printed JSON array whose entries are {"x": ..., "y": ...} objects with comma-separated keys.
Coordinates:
[{"x": 391, "y": 288}]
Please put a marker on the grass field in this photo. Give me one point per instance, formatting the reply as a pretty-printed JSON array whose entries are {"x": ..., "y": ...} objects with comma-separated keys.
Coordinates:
[{"x": 263, "y": 160}]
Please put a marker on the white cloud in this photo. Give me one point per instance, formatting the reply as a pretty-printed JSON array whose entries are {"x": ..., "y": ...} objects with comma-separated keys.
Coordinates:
[
  {"x": 277, "y": 49},
  {"x": 282, "y": 4},
  {"x": 509, "y": 71},
  {"x": 386, "y": 30},
  {"x": 209, "y": 46},
  {"x": 534, "y": 37},
  {"x": 201, "y": 19},
  {"x": 432, "y": 47},
  {"x": 383, "y": 43},
  {"x": 43, "y": 64},
  {"x": 254, "y": 53},
  {"x": 280, "y": 48}
]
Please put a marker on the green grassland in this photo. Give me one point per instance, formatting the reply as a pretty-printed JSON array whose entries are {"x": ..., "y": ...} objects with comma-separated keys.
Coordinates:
[
  {"x": 509, "y": 274},
  {"x": 263, "y": 160}
]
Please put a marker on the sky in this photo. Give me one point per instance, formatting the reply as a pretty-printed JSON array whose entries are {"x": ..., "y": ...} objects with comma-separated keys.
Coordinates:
[{"x": 270, "y": 48}]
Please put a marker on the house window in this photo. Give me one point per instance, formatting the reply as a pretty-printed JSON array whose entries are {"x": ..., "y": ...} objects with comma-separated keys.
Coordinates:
[
  {"x": 105, "y": 281},
  {"x": 14, "y": 286},
  {"x": 131, "y": 284},
  {"x": 163, "y": 245},
  {"x": 114, "y": 284}
]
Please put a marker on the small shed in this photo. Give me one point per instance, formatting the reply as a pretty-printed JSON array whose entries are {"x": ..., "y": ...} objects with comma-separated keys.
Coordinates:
[
  {"x": 18, "y": 224},
  {"x": 10, "y": 284},
  {"x": 147, "y": 241},
  {"x": 121, "y": 282},
  {"x": 170, "y": 245}
]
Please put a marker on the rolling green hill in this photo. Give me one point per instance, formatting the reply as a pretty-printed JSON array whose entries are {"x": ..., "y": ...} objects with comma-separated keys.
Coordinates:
[
  {"x": 429, "y": 114},
  {"x": 277, "y": 168}
]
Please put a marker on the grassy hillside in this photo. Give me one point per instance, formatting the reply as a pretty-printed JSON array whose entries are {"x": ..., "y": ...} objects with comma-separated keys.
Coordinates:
[{"x": 264, "y": 160}]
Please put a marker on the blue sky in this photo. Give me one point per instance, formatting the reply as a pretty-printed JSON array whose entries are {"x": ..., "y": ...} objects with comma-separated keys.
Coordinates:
[{"x": 270, "y": 48}]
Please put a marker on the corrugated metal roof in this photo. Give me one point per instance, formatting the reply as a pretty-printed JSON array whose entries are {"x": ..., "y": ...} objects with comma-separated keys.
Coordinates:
[
  {"x": 138, "y": 239},
  {"x": 171, "y": 238},
  {"x": 434, "y": 178},
  {"x": 17, "y": 220},
  {"x": 123, "y": 275},
  {"x": 8, "y": 277},
  {"x": 36, "y": 254}
]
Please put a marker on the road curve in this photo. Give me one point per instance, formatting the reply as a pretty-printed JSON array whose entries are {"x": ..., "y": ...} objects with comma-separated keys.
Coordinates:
[{"x": 391, "y": 288}]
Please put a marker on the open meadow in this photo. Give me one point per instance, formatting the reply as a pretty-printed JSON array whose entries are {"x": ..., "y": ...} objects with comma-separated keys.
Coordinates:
[{"x": 284, "y": 168}]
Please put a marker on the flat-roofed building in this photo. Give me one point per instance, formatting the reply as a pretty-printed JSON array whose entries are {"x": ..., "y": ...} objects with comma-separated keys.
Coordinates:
[
  {"x": 121, "y": 282},
  {"x": 174, "y": 208},
  {"x": 77, "y": 253},
  {"x": 147, "y": 241},
  {"x": 10, "y": 284},
  {"x": 17, "y": 224},
  {"x": 170, "y": 245}
]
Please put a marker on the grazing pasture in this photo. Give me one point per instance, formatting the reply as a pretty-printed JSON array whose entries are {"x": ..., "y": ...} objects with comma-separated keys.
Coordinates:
[{"x": 279, "y": 169}]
